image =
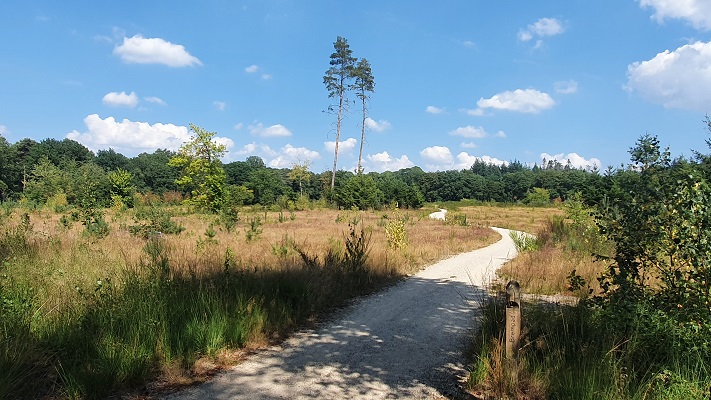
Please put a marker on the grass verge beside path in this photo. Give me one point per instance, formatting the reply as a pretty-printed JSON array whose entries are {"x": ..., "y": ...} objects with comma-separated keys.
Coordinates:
[{"x": 588, "y": 350}]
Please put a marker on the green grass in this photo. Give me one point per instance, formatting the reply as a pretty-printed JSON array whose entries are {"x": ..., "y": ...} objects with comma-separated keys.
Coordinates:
[
  {"x": 576, "y": 352},
  {"x": 524, "y": 241}
]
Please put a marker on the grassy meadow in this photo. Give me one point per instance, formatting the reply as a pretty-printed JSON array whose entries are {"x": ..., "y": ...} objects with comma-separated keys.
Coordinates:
[{"x": 87, "y": 315}]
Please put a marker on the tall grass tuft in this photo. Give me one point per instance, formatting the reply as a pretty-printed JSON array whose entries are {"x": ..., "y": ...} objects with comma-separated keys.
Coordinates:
[{"x": 524, "y": 241}]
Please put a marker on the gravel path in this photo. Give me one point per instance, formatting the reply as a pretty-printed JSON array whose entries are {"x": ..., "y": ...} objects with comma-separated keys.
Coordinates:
[{"x": 405, "y": 342}]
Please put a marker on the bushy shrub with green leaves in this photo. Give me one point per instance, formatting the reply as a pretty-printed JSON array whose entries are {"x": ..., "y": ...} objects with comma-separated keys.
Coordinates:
[
  {"x": 154, "y": 219},
  {"x": 661, "y": 229}
]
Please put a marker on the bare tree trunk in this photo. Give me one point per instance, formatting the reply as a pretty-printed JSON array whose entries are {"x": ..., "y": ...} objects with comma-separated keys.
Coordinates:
[
  {"x": 362, "y": 139},
  {"x": 338, "y": 137}
]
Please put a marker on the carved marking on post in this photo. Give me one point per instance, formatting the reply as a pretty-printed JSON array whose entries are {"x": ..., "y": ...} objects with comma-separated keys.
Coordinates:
[{"x": 513, "y": 328}]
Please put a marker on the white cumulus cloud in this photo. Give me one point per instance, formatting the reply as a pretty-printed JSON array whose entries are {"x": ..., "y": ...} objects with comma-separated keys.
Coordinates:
[
  {"x": 252, "y": 149},
  {"x": 576, "y": 160},
  {"x": 697, "y": 12},
  {"x": 343, "y": 146},
  {"x": 269, "y": 131},
  {"x": 440, "y": 158},
  {"x": 140, "y": 50},
  {"x": 493, "y": 160},
  {"x": 377, "y": 126},
  {"x": 131, "y": 137},
  {"x": 434, "y": 110},
  {"x": 381, "y": 162},
  {"x": 437, "y": 155},
  {"x": 465, "y": 160},
  {"x": 4, "y": 130},
  {"x": 524, "y": 35},
  {"x": 227, "y": 142},
  {"x": 675, "y": 79},
  {"x": 520, "y": 100},
  {"x": 475, "y": 132},
  {"x": 541, "y": 28},
  {"x": 290, "y": 155},
  {"x": 219, "y": 105},
  {"x": 116, "y": 99},
  {"x": 285, "y": 157}
]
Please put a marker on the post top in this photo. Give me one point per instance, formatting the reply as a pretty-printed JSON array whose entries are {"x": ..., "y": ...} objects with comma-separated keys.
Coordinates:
[
  {"x": 513, "y": 288},
  {"x": 513, "y": 294}
]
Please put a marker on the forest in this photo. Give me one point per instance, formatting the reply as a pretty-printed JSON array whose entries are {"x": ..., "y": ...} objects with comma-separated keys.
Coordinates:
[{"x": 39, "y": 172}]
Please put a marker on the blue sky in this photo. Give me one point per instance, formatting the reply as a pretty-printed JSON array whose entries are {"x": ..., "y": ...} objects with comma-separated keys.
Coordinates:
[{"x": 455, "y": 80}]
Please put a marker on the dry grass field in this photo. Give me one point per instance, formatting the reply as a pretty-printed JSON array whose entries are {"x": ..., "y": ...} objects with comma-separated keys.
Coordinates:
[
  {"x": 70, "y": 260},
  {"x": 112, "y": 310},
  {"x": 428, "y": 240}
]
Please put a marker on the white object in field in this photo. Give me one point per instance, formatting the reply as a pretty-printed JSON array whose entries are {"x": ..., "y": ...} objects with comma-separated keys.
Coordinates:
[{"x": 440, "y": 215}]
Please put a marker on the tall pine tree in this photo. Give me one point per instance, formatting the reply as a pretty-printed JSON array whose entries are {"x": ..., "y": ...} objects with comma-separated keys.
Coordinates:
[
  {"x": 336, "y": 81},
  {"x": 364, "y": 83}
]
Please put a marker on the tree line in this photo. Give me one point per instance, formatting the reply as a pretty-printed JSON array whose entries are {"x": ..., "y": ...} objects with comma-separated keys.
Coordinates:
[{"x": 39, "y": 171}]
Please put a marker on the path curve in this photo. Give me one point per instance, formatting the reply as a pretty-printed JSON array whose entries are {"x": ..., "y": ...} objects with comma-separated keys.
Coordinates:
[{"x": 407, "y": 341}]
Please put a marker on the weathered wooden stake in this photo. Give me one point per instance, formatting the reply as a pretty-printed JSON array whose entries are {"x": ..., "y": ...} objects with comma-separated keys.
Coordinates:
[
  {"x": 513, "y": 329},
  {"x": 513, "y": 319}
]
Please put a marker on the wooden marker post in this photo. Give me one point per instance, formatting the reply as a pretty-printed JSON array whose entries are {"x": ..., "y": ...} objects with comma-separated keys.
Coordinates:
[
  {"x": 513, "y": 319},
  {"x": 513, "y": 329}
]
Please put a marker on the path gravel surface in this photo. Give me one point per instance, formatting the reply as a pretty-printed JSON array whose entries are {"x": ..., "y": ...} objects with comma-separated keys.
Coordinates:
[{"x": 407, "y": 341}]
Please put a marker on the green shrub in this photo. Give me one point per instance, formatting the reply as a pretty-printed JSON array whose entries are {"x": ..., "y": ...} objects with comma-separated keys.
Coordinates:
[{"x": 154, "y": 219}]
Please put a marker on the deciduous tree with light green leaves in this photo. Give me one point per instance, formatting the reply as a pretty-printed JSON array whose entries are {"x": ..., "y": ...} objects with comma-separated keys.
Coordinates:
[
  {"x": 202, "y": 173},
  {"x": 122, "y": 188},
  {"x": 300, "y": 173},
  {"x": 537, "y": 197}
]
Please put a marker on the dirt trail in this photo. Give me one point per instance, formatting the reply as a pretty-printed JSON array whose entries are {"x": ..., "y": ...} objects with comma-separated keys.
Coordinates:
[{"x": 405, "y": 342}]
